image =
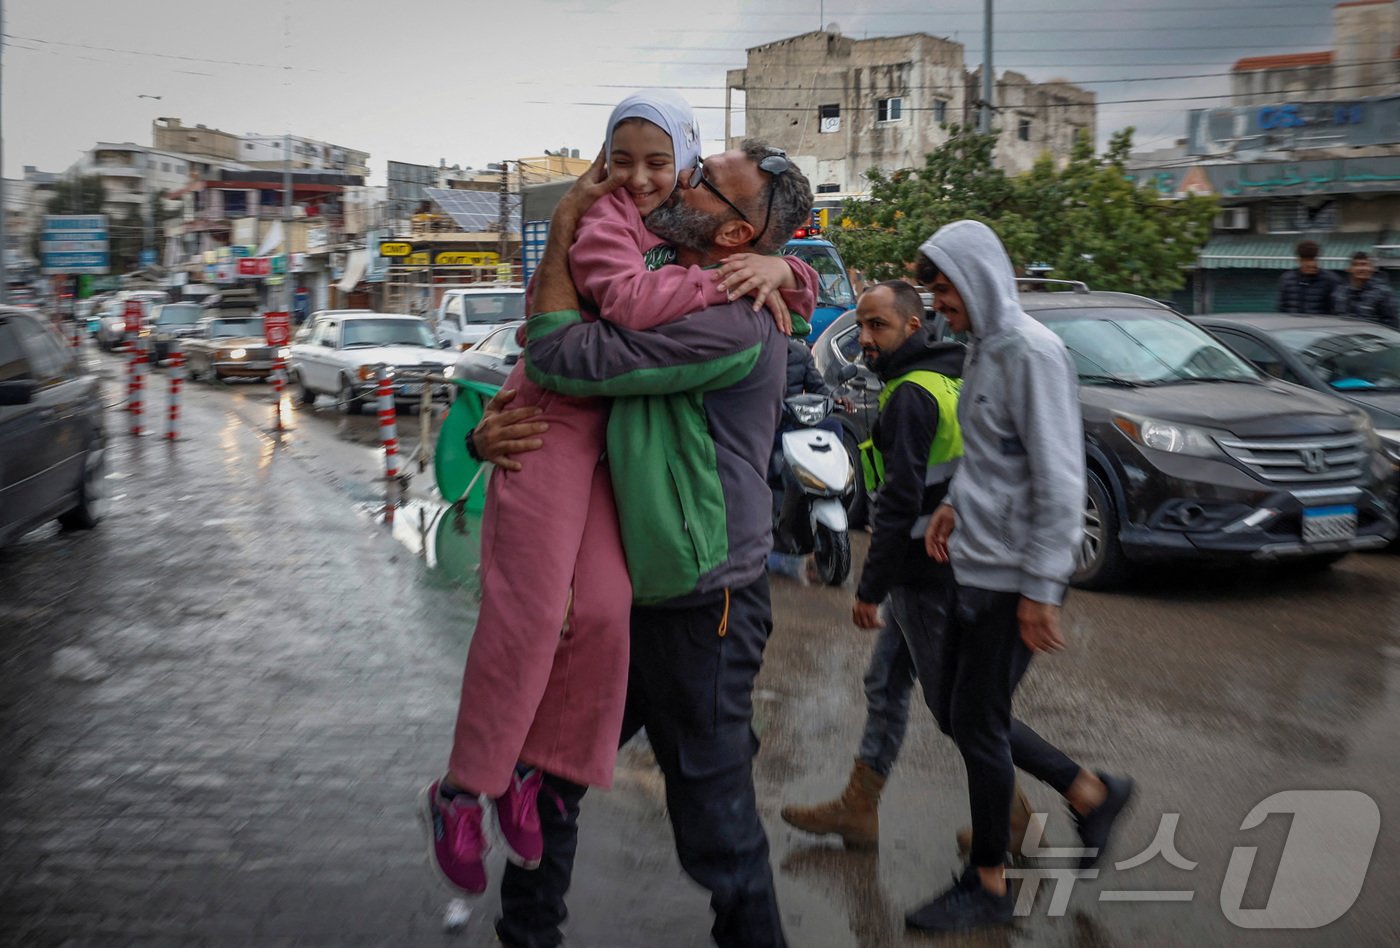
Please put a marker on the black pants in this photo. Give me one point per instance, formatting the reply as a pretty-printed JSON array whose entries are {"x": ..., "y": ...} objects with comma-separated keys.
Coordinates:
[
  {"x": 690, "y": 685},
  {"x": 983, "y": 662}
]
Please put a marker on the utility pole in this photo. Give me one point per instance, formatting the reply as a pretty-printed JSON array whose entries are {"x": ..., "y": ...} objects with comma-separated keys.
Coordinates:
[
  {"x": 503, "y": 247},
  {"x": 984, "y": 124},
  {"x": 287, "y": 220}
]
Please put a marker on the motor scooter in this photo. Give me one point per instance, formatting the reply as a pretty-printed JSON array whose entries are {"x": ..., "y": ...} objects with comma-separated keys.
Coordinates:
[{"x": 814, "y": 473}]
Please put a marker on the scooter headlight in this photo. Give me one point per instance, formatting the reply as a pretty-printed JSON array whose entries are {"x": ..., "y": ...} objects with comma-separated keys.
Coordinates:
[{"x": 808, "y": 415}]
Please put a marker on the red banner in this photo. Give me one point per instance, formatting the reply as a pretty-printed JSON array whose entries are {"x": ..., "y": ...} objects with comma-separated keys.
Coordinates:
[{"x": 254, "y": 266}]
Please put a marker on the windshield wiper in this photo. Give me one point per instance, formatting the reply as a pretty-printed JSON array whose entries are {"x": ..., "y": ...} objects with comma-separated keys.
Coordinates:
[
  {"x": 1107, "y": 379},
  {"x": 361, "y": 345}
]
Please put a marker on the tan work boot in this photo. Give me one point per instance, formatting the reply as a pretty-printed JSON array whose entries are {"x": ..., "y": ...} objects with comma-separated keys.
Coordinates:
[
  {"x": 1020, "y": 819},
  {"x": 854, "y": 816}
]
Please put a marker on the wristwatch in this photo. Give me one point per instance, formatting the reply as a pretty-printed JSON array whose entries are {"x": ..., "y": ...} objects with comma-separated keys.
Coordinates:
[{"x": 471, "y": 447}]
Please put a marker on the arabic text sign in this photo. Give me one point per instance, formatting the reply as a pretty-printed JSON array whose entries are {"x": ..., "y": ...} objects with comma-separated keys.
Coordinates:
[
  {"x": 74, "y": 243},
  {"x": 1285, "y": 126},
  {"x": 1279, "y": 178}
]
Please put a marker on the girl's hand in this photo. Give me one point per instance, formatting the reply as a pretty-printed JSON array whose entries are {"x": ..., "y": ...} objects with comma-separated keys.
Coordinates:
[{"x": 761, "y": 277}]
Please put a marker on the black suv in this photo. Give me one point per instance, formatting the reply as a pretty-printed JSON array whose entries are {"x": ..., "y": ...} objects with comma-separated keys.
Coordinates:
[
  {"x": 53, "y": 457},
  {"x": 1193, "y": 453}
]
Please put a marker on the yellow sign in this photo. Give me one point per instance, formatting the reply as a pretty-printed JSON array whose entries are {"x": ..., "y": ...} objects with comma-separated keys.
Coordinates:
[
  {"x": 504, "y": 272},
  {"x": 419, "y": 259},
  {"x": 395, "y": 249},
  {"x": 822, "y": 217},
  {"x": 461, "y": 258}
]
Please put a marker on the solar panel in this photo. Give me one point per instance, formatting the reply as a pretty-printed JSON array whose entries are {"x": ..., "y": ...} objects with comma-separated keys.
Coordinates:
[{"x": 475, "y": 211}]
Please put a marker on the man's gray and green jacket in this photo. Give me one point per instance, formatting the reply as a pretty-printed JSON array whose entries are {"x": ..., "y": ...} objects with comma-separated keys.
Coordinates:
[{"x": 695, "y": 403}]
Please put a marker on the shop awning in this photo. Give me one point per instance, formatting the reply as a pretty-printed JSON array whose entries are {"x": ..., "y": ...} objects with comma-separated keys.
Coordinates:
[
  {"x": 1277, "y": 251},
  {"x": 355, "y": 266}
]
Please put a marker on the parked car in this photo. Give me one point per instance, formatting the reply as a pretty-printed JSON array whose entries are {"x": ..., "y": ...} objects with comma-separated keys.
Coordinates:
[
  {"x": 490, "y": 361},
  {"x": 1355, "y": 360},
  {"x": 340, "y": 355},
  {"x": 224, "y": 347},
  {"x": 834, "y": 294},
  {"x": 1194, "y": 454},
  {"x": 53, "y": 447},
  {"x": 465, "y": 315},
  {"x": 117, "y": 327},
  {"x": 303, "y": 332},
  {"x": 169, "y": 322}
]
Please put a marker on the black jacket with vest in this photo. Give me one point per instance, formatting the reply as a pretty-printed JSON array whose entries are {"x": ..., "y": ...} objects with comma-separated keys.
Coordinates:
[{"x": 903, "y": 434}]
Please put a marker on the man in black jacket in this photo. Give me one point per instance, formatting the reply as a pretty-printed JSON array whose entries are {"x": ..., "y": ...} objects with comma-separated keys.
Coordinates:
[
  {"x": 1308, "y": 290},
  {"x": 913, "y": 451},
  {"x": 1365, "y": 295}
]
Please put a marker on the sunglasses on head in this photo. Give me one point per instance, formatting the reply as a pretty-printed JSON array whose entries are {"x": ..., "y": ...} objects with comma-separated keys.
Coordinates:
[{"x": 775, "y": 164}]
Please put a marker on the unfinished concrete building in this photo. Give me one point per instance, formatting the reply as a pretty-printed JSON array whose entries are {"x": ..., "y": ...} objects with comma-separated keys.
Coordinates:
[{"x": 840, "y": 106}]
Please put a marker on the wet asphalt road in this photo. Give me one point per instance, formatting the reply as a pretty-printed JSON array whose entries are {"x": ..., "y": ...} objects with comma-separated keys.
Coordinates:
[{"x": 216, "y": 709}]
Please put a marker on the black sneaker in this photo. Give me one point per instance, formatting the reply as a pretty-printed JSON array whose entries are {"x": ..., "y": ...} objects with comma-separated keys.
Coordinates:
[
  {"x": 1096, "y": 826},
  {"x": 963, "y": 907}
]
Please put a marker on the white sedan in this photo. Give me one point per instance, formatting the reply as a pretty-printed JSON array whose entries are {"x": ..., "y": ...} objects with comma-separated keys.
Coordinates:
[{"x": 342, "y": 351}]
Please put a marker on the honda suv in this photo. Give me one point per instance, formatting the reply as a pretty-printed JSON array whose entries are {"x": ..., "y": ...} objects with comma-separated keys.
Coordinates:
[{"x": 1193, "y": 453}]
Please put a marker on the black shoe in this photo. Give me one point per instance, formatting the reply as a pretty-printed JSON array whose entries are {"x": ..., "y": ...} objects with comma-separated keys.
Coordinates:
[
  {"x": 1096, "y": 826},
  {"x": 963, "y": 907}
]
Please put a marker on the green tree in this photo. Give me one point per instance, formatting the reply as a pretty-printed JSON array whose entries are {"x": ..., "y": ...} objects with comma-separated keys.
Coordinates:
[{"x": 1086, "y": 220}]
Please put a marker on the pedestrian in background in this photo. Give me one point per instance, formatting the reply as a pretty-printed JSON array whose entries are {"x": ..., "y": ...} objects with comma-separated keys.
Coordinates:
[
  {"x": 1365, "y": 294},
  {"x": 907, "y": 463},
  {"x": 1010, "y": 525},
  {"x": 1309, "y": 289}
]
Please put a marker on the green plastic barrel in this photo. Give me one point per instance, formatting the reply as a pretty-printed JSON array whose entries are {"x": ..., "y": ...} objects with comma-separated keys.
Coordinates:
[{"x": 452, "y": 465}]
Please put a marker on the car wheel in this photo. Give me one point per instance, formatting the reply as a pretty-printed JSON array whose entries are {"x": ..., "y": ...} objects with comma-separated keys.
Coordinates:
[
  {"x": 348, "y": 402},
  {"x": 92, "y": 492},
  {"x": 857, "y": 501},
  {"x": 1102, "y": 564},
  {"x": 304, "y": 394}
]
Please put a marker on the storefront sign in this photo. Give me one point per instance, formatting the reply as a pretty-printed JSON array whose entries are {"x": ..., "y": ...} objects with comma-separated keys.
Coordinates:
[
  {"x": 460, "y": 258},
  {"x": 395, "y": 249},
  {"x": 1275, "y": 178}
]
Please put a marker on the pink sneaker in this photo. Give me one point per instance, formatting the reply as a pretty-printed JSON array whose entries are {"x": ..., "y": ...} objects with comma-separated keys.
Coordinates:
[
  {"x": 457, "y": 845},
  {"x": 518, "y": 820}
]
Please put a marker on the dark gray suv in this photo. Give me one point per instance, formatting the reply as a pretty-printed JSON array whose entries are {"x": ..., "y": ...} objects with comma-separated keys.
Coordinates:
[
  {"x": 53, "y": 448},
  {"x": 1195, "y": 454}
]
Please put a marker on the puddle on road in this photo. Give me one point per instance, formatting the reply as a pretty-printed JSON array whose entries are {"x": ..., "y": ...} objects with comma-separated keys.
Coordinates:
[{"x": 447, "y": 539}]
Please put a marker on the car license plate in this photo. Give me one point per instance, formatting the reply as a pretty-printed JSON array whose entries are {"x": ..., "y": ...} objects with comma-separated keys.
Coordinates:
[
  {"x": 1329, "y": 523},
  {"x": 410, "y": 388}
]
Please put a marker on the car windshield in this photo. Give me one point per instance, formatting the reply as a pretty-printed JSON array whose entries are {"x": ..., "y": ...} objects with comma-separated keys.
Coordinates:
[
  {"x": 835, "y": 285},
  {"x": 386, "y": 332},
  {"x": 1361, "y": 359},
  {"x": 485, "y": 309},
  {"x": 232, "y": 328},
  {"x": 179, "y": 314},
  {"x": 1143, "y": 347}
]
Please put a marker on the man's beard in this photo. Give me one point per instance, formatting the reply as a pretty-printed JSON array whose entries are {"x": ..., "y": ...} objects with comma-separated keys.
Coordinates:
[{"x": 684, "y": 227}]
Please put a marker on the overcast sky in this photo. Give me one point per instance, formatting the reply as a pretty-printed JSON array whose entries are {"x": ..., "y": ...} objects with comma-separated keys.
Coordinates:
[{"x": 474, "y": 82}]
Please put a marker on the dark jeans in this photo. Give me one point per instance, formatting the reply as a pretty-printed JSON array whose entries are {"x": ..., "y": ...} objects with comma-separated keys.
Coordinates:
[
  {"x": 690, "y": 685},
  {"x": 910, "y": 645},
  {"x": 984, "y": 659}
]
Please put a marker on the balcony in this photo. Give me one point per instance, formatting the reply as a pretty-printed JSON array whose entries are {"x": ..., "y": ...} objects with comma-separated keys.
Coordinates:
[{"x": 117, "y": 170}]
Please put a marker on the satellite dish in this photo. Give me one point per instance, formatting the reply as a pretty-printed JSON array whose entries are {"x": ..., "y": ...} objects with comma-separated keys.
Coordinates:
[{"x": 833, "y": 27}]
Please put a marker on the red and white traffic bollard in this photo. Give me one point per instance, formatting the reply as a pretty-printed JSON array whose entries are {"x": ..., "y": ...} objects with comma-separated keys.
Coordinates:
[
  {"x": 278, "y": 378},
  {"x": 389, "y": 436},
  {"x": 177, "y": 381},
  {"x": 136, "y": 397}
]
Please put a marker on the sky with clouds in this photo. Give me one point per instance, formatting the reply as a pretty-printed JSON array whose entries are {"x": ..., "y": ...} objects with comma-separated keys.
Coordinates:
[{"x": 474, "y": 82}]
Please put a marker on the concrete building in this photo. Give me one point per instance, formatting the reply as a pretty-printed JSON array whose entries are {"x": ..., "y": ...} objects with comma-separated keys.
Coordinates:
[
  {"x": 1308, "y": 149},
  {"x": 840, "y": 106},
  {"x": 257, "y": 151}
]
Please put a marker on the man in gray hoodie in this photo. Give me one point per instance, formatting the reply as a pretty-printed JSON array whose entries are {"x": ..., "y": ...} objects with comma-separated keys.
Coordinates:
[{"x": 1010, "y": 525}]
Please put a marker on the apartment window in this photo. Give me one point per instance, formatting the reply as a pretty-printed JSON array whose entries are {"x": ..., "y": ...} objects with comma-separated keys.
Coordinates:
[
  {"x": 1023, "y": 129},
  {"x": 165, "y": 166},
  {"x": 889, "y": 110},
  {"x": 1293, "y": 217},
  {"x": 940, "y": 111},
  {"x": 828, "y": 188},
  {"x": 830, "y": 118},
  {"x": 248, "y": 146}
]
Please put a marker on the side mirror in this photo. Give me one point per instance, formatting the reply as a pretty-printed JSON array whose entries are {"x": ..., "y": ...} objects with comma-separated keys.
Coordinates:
[
  {"x": 18, "y": 392},
  {"x": 445, "y": 344},
  {"x": 511, "y": 359},
  {"x": 847, "y": 372}
]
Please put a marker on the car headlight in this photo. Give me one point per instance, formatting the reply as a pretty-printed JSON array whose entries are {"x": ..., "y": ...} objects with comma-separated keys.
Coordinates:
[
  {"x": 237, "y": 353},
  {"x": 284, "y": 352},
  {"x": 368, "y": 373},
  {"x": 1390, "y": 442},
  {"x": 1168, "y": 436},
  {"x": 448, "y": 371}
]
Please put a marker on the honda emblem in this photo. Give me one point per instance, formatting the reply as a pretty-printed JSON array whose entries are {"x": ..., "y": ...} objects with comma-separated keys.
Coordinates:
[{"x": 1314, "y": 460}]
